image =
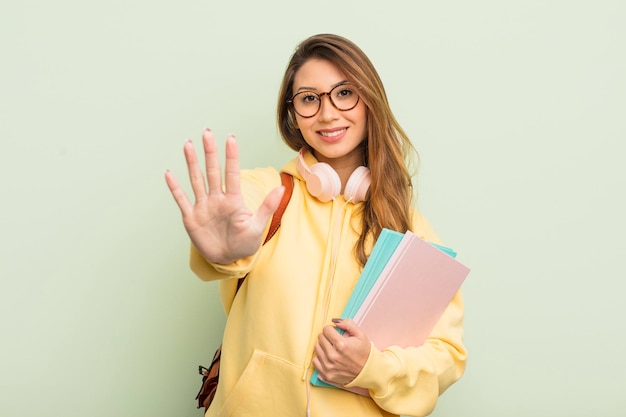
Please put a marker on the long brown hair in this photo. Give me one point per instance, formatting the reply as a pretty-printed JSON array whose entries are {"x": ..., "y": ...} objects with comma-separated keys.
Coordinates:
[{"x": 386, "y": 150}]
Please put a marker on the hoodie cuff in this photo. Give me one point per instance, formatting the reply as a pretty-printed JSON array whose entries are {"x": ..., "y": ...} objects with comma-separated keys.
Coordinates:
[
  {"x": 209, "y": 271},
  {"x": 380, "y": 369}
]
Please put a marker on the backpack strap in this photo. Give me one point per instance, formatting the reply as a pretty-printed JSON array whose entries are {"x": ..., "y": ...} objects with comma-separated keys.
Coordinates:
[{"x": 287, "y": 181}]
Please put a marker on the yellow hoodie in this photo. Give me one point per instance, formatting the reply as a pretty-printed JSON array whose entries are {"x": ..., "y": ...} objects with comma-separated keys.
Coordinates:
[{"x": 290, "y": 294}]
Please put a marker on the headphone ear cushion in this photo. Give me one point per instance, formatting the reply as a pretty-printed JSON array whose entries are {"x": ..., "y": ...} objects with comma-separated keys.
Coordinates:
[
  {"x": 323, "y": 182},
  {"x": 357, "y": 185}
]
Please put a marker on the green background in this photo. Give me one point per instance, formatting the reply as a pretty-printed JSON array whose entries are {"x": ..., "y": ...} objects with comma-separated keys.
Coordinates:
[{"x": 517, "y": 108}]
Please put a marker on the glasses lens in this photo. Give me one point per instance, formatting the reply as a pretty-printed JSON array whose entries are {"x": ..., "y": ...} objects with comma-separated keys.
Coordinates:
[
  {"x": 306, "y": 103},
  {"x": 344, "y": 97}
]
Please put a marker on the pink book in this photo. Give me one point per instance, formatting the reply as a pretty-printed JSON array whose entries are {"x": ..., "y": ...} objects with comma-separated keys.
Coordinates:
[{"x": 410, "y": 295}]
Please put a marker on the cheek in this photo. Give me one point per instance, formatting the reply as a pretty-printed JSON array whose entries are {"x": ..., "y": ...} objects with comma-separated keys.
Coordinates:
[
  {"x": 305, "y": 128},
  {"x": 360, "y": 115},
  {"x": 360, "y": 119},
  {"x": 302, "y": 123}
]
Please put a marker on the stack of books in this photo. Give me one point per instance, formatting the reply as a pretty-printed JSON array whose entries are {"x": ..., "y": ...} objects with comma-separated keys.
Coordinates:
[{"x": 404, "y": 288}]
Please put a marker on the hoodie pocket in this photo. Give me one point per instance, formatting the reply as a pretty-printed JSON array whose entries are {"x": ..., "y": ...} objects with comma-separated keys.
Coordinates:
[{"x": 268, "y": 386}]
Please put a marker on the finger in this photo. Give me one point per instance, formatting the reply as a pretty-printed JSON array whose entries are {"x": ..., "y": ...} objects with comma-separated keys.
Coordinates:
[
  {"x": 348, "y": 326},
  {"x": 179, "y": 195},
  {"x": 269, "y": 206},
  {"x": 233, "y": 176},
  {"x": 212, "y": 163},
  {"x": 324, "y": 343},
  {"x": 195, "y": 174},
  {"x": 337, "y": 340},
  {"x": 317, "y": 363},
  {"x": 321, "y": 357}
]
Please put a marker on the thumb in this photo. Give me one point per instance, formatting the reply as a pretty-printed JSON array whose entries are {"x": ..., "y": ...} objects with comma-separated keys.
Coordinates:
[{"x": 270, "y": 205}]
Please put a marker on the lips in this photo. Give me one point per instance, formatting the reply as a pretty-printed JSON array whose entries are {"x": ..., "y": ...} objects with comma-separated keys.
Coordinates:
[{"x": 331, "y": 135}]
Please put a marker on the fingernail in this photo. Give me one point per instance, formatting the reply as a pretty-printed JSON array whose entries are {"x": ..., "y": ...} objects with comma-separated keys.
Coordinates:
[
  {"x": 337, "y": 320},
  {"x": 206, "y": 129}
]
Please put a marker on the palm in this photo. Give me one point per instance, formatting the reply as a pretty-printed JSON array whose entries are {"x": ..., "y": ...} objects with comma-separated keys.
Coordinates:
[{"x": 218, "y": 222}]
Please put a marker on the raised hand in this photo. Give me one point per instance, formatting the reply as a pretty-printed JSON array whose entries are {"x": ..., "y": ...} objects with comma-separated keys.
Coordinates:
[{"x": 218, "y": 223}]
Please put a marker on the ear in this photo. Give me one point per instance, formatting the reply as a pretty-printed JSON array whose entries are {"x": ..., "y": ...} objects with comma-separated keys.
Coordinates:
[{"x": 294, "y": 119}]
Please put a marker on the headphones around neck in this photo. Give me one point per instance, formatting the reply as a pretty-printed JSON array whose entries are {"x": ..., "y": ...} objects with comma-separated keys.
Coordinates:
[{"x": 323, "y": 182}]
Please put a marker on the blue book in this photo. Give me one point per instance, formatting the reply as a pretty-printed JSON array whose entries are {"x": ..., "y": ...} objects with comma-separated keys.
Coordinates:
[{"x": 382, "y": 251}]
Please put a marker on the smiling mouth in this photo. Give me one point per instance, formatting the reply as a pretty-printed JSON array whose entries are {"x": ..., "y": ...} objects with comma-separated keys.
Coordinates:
[{"x": 334, "y": 133}]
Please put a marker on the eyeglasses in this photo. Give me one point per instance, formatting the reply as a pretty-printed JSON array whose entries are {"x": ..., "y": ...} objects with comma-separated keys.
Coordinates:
[{"x": 307, "y": 103}]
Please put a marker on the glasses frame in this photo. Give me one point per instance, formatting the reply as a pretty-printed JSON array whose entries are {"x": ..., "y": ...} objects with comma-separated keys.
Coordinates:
[{"x": 320, "y": 95}]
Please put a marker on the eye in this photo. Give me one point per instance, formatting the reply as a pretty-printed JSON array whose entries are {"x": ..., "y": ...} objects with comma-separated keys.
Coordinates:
[
  {"x": 307, "y": 97},
  {"x": 344, "y": 93}
]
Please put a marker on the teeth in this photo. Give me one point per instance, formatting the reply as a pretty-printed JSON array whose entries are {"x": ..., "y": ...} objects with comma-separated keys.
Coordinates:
[{"x": 332, "y": 134}]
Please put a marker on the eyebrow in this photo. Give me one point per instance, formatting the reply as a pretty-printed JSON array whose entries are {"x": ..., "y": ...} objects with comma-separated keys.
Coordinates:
[{"x": 315, "y": 89}]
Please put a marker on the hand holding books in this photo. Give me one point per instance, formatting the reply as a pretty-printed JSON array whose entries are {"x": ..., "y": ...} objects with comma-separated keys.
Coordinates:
[{"x": 404, "y": 288}]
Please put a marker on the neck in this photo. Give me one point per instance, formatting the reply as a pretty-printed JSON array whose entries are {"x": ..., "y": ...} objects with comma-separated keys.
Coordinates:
[{"x": 344, "y": 166}]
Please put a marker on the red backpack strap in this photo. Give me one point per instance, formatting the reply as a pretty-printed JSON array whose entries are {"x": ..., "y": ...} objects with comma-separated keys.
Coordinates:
[{"x": 287, "y": 181}]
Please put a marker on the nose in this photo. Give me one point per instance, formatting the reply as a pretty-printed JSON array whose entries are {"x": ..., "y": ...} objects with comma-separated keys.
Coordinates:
[{"x": 327, "y": 108}]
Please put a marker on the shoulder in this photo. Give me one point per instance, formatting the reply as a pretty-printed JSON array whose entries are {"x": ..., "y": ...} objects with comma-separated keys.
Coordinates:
[
  {"x": 422, "y": 228},
  {"x": 260, "y": 177},
  {"x": 257, "y": 183}
]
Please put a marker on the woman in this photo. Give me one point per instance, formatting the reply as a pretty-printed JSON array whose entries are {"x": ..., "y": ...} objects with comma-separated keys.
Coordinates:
[{"x": 350, "y": 181}]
